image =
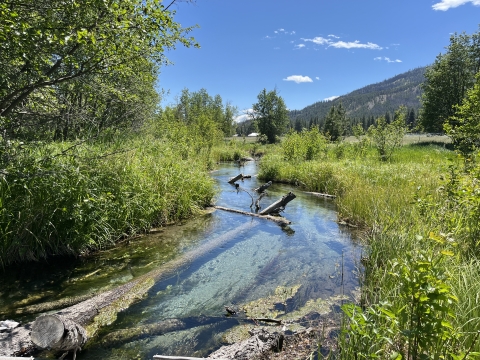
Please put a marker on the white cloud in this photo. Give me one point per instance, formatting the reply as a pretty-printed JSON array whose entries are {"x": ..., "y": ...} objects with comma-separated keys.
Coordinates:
[
  {"x": 293, "y": 33},
  {"x": 298, "y": 79},
  {"x": 318, "y": 40},
  {"x": 379, "y": 58},
  {"x": 316, "y": 77},
  {"x": 355, "y": 45},
  {"x": 299, "y": 46},
  {"x": 331, "y": 98},
  {"x": 444, "y": 5},
  {"x": 334, "y": 36},
  {"x": 342, "y": 44},
  {"x": 281, "y": 29}
]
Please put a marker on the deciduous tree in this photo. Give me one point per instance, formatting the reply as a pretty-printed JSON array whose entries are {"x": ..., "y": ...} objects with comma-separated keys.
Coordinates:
[
  {"x": 271, "y": 114},
  {"x": 448, "y": 79}
]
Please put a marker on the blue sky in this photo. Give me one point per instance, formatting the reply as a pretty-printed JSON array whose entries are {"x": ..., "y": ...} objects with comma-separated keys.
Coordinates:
[{"x": 309, "y": 50}]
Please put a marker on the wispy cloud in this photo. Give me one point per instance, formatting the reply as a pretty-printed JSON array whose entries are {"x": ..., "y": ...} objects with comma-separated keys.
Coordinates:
[
  {"x": 444, "y": 5},
  {"x": 279, "y": 31},
  {"x": 318, "y": 40},
  {"x": 343, "y": 44},
  {"x": 334, "y": 36},
  {"x": 298, "y": 79},
  {"x": 331, "y": 98},
  {"x": 316, "y": 77},
  {"x": 355, "y": 45},
  {"x": 379, "y": 58},
  {"x": 299, "y": 46}
]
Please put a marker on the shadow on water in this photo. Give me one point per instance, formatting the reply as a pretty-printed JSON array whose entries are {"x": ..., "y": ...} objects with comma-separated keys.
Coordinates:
[{"x": 315, "y": 254}]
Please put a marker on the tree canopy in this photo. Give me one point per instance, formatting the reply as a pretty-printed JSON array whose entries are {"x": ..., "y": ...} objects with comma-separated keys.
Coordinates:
[
  {"x": 271, "y": 114},
  {"x": 88, "y": 55},
  {"x": 448, "y": 79}
]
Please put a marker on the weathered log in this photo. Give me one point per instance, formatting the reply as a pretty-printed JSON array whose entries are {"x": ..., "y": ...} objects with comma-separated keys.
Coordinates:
[
  {"x": 264, "y": 187},
  {"x": 260, "y": 343},
  {"x": 58, "y": 333},
  {"x": 103, "y": 308},
  {"x": 235, "y": 178},
  {"x": 278, "y": 205},
  {"x": 277, "y": 219},
  {"x": 327, "y": 196}
]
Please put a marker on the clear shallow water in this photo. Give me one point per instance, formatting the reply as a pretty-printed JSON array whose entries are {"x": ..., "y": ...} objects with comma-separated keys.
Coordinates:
[{"x": 249, "y": 266}]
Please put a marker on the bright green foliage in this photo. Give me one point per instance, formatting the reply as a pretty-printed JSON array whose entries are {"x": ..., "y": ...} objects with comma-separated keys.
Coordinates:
[
  {"x": 193, "y": 105},
  {"x": 386, "y": 137},
  {"x": 464, "y": 127},
  {"x": 97, "y": 47},
  {"x": 448, "y": 79},
  {"x": 306, "y": 145},
  {"x": 419, "y": 326},
  {"x": 271, "y": 115},
  {"x": 336, "y": 123}
]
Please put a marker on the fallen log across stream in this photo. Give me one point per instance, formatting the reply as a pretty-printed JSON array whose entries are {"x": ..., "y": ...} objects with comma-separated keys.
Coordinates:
[
  {"x": 102, "y": 309},
  {"x": 279, "y": 220}
]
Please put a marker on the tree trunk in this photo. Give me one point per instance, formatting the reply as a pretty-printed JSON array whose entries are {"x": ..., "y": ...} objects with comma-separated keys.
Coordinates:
[{"x": 278, "y": 205}]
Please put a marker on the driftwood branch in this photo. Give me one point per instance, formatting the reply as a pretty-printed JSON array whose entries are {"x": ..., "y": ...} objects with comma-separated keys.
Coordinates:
[
  {"x": 257, "y": 202},
  {"x": 278, "y": 205},
  {"x": 278, "y": 220}
]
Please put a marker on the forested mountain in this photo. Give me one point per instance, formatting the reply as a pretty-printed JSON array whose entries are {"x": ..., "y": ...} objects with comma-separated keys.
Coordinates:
[{"x": 369, "y": 102}]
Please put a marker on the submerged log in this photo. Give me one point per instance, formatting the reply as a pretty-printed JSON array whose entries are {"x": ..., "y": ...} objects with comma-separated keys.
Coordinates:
[
  {"x": 277, "y": 219},
  {"x": 327, "y": 196},
  {"x": 103, "y": 308},
  {"x": 264, "y": 187},
  {"x": 278, "y": 205},
  {"x": 160, "y": 328}
]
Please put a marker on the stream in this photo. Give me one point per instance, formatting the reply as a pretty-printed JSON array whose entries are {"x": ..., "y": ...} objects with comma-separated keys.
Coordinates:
[{"x": 314, "y": 253}]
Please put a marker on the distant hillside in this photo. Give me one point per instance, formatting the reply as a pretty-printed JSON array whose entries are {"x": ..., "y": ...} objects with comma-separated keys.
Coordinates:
[{"x": 370, "y": 101}]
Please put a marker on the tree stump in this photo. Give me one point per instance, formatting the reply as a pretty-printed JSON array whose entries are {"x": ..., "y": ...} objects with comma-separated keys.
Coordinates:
[{"x": 57, "y": 333}]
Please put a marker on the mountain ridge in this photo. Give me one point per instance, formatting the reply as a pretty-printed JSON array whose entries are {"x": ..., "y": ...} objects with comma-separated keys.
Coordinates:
[{"x": 373, "y": 100}]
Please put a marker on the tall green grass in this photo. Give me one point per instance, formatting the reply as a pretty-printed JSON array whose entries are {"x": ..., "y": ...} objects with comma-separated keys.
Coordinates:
[
  {"x": 399, "y": 204},
  {"x": 59, "y": 199}
]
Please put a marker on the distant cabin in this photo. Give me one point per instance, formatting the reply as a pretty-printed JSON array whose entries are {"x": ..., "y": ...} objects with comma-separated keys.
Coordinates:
[{"x": 252, "y": 134}]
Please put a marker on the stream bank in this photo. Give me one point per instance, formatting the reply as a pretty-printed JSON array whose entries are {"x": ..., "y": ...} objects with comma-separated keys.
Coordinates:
[{"x": 316, "y": 255}]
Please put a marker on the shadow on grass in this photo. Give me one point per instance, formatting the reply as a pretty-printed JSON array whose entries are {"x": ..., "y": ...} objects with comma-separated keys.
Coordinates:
[{"x": 432, "y": 143}]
